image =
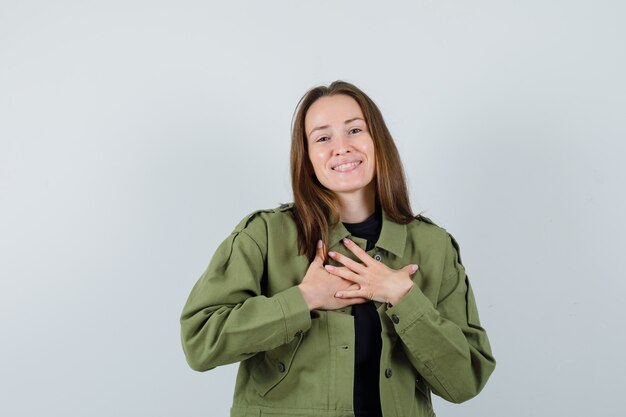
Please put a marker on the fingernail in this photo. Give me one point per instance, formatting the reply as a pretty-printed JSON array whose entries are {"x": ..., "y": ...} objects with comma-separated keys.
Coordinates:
[
  {"x": 329, "y": 267},
  {"x": 346, "y": 240},
  {"x": 331, "y": 254},
  {"x": 339, "y": 295},
  {"x": 319, "y": 244},
  {"x": 414, "y": 268}
]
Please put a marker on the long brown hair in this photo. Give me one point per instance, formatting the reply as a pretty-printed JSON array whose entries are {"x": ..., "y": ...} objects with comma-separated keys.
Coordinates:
[{"x": 316, "y": 208}]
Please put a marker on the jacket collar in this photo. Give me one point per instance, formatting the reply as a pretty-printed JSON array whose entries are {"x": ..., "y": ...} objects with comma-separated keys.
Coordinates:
[{"x": 392, "y": 236}]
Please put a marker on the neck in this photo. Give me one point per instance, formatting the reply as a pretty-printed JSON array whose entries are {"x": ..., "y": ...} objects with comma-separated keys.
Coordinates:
[{"x": 356, "y": 207}]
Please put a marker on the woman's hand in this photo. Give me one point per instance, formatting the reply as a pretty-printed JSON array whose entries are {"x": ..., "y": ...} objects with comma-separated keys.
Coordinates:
[
  {"x": 376, "y": 280},
  {"x": 319, "y": 286}
]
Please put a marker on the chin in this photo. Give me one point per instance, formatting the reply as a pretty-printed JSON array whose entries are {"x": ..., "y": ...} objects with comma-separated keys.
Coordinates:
[{"x": 348, "y": 188}]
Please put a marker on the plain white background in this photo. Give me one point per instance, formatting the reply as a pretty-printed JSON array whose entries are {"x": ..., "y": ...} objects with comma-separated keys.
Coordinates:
[{"x": 134, "y": 135}]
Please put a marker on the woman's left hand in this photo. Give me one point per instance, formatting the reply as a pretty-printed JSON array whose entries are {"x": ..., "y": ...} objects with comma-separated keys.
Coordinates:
[{"x": 378, "y": 282}]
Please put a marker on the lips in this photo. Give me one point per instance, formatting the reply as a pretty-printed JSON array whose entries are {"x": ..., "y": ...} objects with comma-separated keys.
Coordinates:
[{"x": 345, "y": 166}]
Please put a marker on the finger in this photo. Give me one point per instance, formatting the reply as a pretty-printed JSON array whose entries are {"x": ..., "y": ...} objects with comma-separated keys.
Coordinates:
[
  {"x": 319, "y": 253},
  {"x": 352, "y": 301},
  {"x": 361, "y": 293},
  {"x": 360, "y": 253},
  {"x": 411, "y": 268},
  {"x": 344, "y": 273},
  {"x": 344, "y": 260}
]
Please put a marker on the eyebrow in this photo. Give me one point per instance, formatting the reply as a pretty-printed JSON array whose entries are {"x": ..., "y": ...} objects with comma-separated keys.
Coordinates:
[{"x": 327, "y": 126}]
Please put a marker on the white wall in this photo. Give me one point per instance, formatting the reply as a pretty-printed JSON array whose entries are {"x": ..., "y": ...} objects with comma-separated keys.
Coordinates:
[{"x": 135, "y": 134}]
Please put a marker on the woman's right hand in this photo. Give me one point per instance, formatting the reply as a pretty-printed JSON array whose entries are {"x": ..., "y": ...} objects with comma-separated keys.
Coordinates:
[{"x": 319, "y": 287}]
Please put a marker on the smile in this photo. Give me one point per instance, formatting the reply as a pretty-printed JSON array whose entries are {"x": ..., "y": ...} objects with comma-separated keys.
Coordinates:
[{"x": 349, "y": 166}]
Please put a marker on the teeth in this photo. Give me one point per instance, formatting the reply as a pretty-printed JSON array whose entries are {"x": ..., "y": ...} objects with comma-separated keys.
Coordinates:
[{"x": 347, "y": 166}]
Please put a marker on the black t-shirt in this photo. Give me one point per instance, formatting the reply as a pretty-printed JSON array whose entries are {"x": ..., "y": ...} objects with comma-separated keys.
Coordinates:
[{"x": 368, "y": 343}]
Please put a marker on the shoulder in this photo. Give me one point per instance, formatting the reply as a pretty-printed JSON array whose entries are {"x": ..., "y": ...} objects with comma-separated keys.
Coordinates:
[
  {"x": 262, "y": 222},
  {"x": 429, "y": 230},
  {"x": 426, "y": 228}
]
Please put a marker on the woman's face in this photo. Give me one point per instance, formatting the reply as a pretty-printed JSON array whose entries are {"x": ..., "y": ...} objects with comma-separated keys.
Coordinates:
[{"x": 340, "y": 147}]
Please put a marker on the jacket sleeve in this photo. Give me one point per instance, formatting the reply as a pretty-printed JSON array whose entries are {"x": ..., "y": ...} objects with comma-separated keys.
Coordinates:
[
  {"x": 445, "y": 343},
  {"x": 227, "y": 318}
]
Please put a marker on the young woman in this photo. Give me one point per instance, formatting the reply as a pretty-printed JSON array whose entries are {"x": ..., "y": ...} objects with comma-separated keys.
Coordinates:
[{"x": 344, "y": 302}]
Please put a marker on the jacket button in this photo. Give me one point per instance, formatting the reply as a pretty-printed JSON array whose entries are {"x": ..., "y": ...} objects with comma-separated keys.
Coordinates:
[
  {"x": 378, "y": 257},
  {"x": 298, "y": 333},
  {"x": 388, "y": 372},
  {"x": 395, "y": 319},
  {"x": 281, "y": 367}
]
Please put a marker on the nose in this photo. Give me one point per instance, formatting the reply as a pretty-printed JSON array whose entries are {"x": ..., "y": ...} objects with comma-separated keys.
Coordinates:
[{"x": 341, "y": 144}]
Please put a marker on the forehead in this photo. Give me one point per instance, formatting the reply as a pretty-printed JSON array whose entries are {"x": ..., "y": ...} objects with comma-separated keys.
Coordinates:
[{"x": 331, "y": 110}]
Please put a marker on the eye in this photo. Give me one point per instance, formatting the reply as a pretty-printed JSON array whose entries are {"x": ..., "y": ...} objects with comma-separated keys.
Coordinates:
[
  {"x": 354, "y": 130},
  {"x": 322, "y": 139}
]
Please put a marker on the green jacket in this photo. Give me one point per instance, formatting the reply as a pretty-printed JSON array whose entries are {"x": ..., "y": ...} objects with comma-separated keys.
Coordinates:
[{"x": 246, "y": 308}]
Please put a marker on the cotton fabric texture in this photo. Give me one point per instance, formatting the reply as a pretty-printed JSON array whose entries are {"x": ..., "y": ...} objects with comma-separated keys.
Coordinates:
[{"x": 294, "y": 362}]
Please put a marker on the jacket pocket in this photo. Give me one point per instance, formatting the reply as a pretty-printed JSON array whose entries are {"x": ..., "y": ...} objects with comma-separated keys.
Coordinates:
[{"x": 273, "y": 366}]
